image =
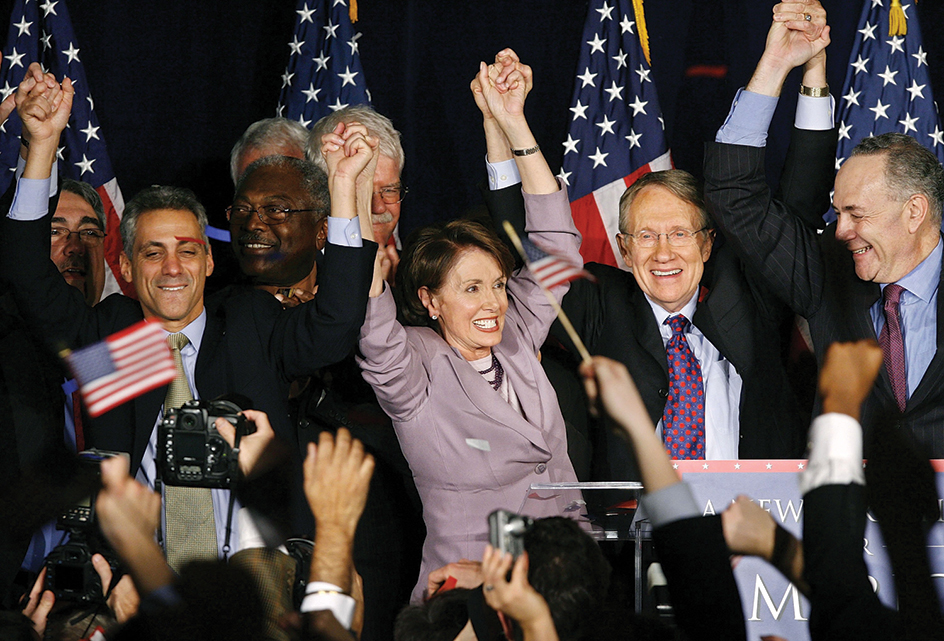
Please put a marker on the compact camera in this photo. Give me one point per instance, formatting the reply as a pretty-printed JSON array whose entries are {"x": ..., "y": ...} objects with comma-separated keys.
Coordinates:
[
  {"x": 70, "y": 574},
  {"x": 506, "y": 531},
  {"x": 191, "y": 452}
]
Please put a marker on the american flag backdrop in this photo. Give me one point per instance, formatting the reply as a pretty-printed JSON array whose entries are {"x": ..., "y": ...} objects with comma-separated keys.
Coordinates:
[
  {"x": 42, "y": 32},
  {"x": 616, "y": 131},
  {"x": 123, "y": 366},
  {"x": 324, "y": 70},
  {"x": 888, "y": 87}
]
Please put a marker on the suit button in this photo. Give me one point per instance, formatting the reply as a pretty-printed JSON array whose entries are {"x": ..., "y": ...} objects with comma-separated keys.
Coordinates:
[
  {"x": 540, "y": 468},
  {"x": 304, "y": 423},
  {"x": 663, "y": 393}
]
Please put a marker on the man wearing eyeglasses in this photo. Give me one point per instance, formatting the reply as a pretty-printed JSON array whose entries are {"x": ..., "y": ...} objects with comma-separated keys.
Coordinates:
[
  {"x": 77, "y": 237},
  {"x": 388, "y": 186},
  {"x": 279, "y": 224}
]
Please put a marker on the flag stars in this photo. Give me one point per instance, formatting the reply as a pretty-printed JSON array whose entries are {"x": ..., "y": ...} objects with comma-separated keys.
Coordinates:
[
  {"x": 596, "y": 44},
  {"x": 626, "y": 25},
  {"x": 85, "y": 165},
  {"x": 331, "y": 30},
  {"x": 352, "y": 43},
  {"x": 337, "y": 106},
  {"x": 295, "y": 46},
  {"x": 879, "y": 109},
  {"x": 921, "y": 57},
  {"x": 877, "y": 3},
  {"x": 71, "y": 53},
  {"x": 45, "y": 40},
  {"x": 868, "y": 32},
  {"x": 839, "y": 162},
  {"x": 620, "y": 59},
  {"x": 614, "y": 91},
  {"x": 909, "y": 123},
  {"x": 605, "y": 12},
  {"x": 311, "y": 93},
  {"x": 304, "y": 14},
  {"x": 859, "y": 64},
  {"x": 23, "y": 26},
  {"x": 49, "y": 7},
  {"x": 844, "y": 130},
  {"x": 564, "y": 176},
  {"x": 599, "y": 158},
  {"x": 852, "y": 98},
  {"x": 937, "y": 136},
  {"x": 606, "y": 126},
  {"x": 90, "y": 132},
  {"x": 570, "y": 145},
  {"x": 287, "y": 79},
  {"x": 321, "y": 61},
  {"x": 643, "y": 73},
  {"x": 15, "y": 58},
  {"x": 916, "y": 90},
  {"x": 6, "y": 91},
  {"x": 639, "y": 106},
  {"x": 580, "y": 111},
  {"x": 633, "y": 138},
  {"x": 586, "y": 78},
  {"x": 888, "y": 76},
  {"x": 895, "y": 44},
  {"x": 304, "y": 123},
  {"x": 348, "y": 76},
  {"x": 89, "y": 98}
]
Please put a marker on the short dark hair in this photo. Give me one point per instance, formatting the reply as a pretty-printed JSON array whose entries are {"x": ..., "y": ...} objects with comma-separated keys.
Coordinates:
[
  {"x": 431, "y": 253},
  {"x": 441, "y": 618},
  {"x": 910, "y": 168},
  {"x": 313, "y": 178},
  {"x": 680, "y": 184},
  {"x": 567, "y": 567},
  {"x": 87, "y": 193},
  {"x": 159, "y": 197}
]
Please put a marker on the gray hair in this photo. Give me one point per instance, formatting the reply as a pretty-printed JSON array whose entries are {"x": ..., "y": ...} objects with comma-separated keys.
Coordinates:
[
  {"x": 680, "y": 184},
  {"x": 269, "y": 133},
  {"x": 314, "y": 180},
  {"x": 377, "y": 125},
  {"x": 159, "y": 197},
  {"x": 910, "y": 168},
  {"x": 87, "y": 193}
]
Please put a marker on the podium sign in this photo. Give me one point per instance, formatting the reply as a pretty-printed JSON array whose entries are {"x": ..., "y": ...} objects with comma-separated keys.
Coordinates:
[{"x": 772, "y": 606}]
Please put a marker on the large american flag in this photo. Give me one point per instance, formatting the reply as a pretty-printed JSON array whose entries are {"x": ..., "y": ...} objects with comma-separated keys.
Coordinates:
[
  {"x": 616, "y": 131},
  {"x": 324, "y": 70},
  {"x": 42, "y": 32},
  {"x": 123, "y": 366},
  {"x": 888, "y": 87}
]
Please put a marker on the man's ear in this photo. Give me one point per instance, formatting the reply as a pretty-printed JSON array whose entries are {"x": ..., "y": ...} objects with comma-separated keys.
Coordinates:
[
  {"x": 709, "y": 243},
  {"x": 209, "y": 269},
  {"x": 124, "y": 263},
  {"x": 917, "y": 208},
  {"x": 625, "y": 248}
]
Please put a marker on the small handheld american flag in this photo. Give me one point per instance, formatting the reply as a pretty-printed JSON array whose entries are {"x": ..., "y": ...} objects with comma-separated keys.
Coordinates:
[
  {"x": 123, "y": 366},
  {"x": 551, "y": 270}
]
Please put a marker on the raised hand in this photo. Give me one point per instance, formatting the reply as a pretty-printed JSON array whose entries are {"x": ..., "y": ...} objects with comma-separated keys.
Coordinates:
[
  {"x": 337, "y": 477},
  {"x": 43, "y": 104},
  {"x": 504, "y": 86},
  {"x": 258, "y": 452},
  {"x": 348, "y": 151},
  {"x": 791, "y": 41},
  {"x": 516, "y": 598},
  {"x": 848, "y": 374}
]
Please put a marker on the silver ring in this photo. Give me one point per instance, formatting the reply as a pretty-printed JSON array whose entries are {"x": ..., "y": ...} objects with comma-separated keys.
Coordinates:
[
  {"x": 808, "y": 17},
  {"x": 489, "y": 588}
]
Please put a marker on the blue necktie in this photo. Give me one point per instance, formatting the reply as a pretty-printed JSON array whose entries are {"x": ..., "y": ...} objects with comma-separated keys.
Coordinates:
[{"x": 683, "y": 422}]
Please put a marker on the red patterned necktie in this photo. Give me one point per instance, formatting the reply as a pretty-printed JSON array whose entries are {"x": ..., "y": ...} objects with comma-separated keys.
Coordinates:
[
  {"x": 683, "y": 422},
  {"x": 893, "y": 346}
]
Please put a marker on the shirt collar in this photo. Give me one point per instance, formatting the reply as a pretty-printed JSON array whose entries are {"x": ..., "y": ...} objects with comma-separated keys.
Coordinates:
[
  {"x": 923, "y": 280},
  {"x": 661, "y": 314},
  {"x": 194, "y": 331}
]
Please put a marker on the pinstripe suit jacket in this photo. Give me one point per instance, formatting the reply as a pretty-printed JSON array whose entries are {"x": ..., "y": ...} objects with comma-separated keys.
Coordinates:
[{"x": 815, "y": 275}]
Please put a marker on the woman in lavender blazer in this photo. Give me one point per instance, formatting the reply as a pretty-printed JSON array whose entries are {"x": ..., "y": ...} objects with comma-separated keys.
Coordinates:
[{"x": 476, "y": 417}]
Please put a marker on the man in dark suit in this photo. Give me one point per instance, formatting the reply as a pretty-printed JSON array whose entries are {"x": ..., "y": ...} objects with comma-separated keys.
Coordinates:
[
  {"x": 885, "y": 245},
  {"x": 240, "y": 340}
]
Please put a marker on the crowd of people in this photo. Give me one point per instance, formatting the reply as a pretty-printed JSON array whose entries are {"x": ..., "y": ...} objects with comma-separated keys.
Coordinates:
[{"x": 395, "y": 392}]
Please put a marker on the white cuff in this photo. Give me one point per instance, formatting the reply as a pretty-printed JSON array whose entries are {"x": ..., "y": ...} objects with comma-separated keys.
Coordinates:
[
  {"x": 835, "y": 453},
  {"x": 502, "y": 174},
  {"x": 31, "y": 199},
  {"x": 345, "y": 232},
  {"x": 327, "y": 596},
  {"x": 815, "y": 114}
]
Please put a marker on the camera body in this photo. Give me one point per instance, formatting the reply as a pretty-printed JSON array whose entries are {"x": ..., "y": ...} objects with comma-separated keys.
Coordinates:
[
  {"x": 191, "y": 452},
  {"x": 506, "y": 531},
  {"x": 70, "y": 574}
]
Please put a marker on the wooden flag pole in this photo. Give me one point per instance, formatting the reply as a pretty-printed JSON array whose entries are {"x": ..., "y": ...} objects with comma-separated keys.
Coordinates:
[{"x": 584, "y": 354}]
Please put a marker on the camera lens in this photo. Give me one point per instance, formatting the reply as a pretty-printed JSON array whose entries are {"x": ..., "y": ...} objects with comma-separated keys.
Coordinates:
[{"x": 188, "y": 420}]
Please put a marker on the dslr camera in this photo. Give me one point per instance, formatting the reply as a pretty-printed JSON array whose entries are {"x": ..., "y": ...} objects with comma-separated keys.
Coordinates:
[
  {"x": 191, "y": 452},
  {"x": 70, "y": 574},
  {"x": 506, "y": 531}
]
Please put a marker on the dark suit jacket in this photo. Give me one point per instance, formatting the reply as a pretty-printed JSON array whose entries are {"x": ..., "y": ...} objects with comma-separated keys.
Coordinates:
[
  {"x": 697, "y": 566},
  {"x": 251, "y": 346},
  {"x": 815, "y": 275}
]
